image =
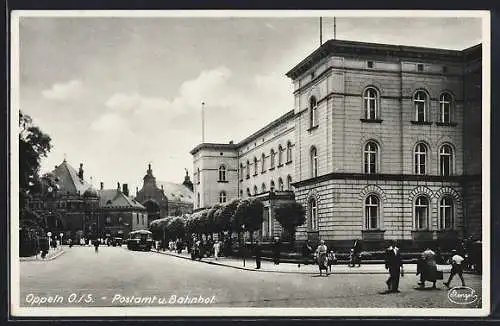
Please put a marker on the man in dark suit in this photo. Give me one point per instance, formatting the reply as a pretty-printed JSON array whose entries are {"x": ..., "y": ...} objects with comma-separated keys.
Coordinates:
[
  {"x": 394, "y": 264},
  {"x": 258, "y": 254}
]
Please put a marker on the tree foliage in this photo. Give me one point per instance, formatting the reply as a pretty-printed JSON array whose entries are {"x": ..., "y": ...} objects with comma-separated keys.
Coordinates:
[{"x": 290, "y": 216}]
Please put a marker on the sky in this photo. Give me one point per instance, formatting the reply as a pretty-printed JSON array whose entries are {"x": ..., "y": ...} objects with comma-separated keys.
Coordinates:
[{"x": 117, "y": 93}]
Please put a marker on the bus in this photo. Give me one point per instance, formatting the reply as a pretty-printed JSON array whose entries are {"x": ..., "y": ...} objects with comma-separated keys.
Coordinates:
[{"x": 140, "y": 240}]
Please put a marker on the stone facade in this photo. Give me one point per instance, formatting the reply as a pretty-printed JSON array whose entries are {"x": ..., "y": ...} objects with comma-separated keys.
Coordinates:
[{"x": 385, "y": 144}]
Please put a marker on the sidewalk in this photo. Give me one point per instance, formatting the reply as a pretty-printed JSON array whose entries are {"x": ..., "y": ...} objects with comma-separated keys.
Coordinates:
[
  {"x": 51, "y": 255},
  {"x": 268, "y": 266}
]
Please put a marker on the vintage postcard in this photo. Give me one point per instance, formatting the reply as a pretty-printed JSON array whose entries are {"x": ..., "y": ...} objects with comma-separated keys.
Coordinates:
[{"x": 250, "y": 163}]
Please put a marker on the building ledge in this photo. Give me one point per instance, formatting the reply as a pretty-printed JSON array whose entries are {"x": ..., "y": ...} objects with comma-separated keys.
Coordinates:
[
  {"x": 222, "y": 181},
  {"x": 289, "y": 162},
  {"x": 280, "y": 166},
  {"x": 270, "y": 169},
  {"x": 371, "y": 120},
  {"x": 446, "y": 124},
  {"x": 312, "y": 128},
  {"x": 421, "y": 123}
]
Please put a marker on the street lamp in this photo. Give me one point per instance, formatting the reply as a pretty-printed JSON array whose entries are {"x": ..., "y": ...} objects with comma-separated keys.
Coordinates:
[
  {"x": 243, "y": 228},
  {"x": 61, "y": 237}
]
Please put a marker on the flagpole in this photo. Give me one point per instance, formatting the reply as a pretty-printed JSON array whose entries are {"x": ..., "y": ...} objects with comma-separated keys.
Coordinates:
[
  {"x": 334, "y": 28},
  {"x": 202, "y": 122},
  {"x": 320, "y": 31}
]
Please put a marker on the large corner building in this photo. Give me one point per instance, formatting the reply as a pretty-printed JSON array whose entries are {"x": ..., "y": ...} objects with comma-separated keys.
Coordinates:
[{"x": 383, "y": 142}]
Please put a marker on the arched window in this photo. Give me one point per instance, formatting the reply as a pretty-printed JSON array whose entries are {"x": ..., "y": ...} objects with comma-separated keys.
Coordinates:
[
  {"x": 248, "y": 169},
  {"x": 314, "y": 162},
  {"x": 371, "y": 157},
  {"x": 372, "y": 212},
  {"x": 446, "y": 213},
  {"x": 222, "y": 197},
  {"x": 446, "y": 160},
  {"x": 241, "y": 171},
  {"x": 263, "y": 187},
  {"x": 271, "y": 186},
  {"x": 420, "y": 102},
  {"x": 263, "y": 163},
  {"x": 255, "y": 191},
  {"x": 288, "y": 152},
  {"x": 445, "y": 102},
  {"x": 313, "y": 112},
  {"x": 198, "y": 175},
  {"x": 280, "y": 155},
  {"x": 254, "y": 166},
  {"x": 273, "y": 154},
  {"x": 421, "y": 212},
  {"x": 420, "y": 158},
  {"x": 249, "y": 194},
  {"x": 222, "y": 173},
  {"x": 241, "y": 193},
  {"x": 289, "y": 183},
  {"x": 370, "y": 97},
  {"x": 198, "y": 200},
  {"x": 313, "y": 214},
  {"x": 280, "y": 184}
]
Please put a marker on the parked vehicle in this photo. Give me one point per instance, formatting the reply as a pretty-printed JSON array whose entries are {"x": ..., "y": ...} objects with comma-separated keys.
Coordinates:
[
  {"x": 116, "y": 242},
  {"x": 140, "y": 240}
]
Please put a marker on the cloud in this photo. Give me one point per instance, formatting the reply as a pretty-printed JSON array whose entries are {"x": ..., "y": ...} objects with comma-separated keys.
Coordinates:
[
  {"x": 110, "y": 123},
  {"x": 64, "y": 91}
]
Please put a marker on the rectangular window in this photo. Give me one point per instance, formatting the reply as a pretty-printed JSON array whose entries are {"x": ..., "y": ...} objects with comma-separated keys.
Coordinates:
[
  {"x": 445, "y": 165},
  {"x": 137, "y": 216},
  {"x": 421, "y": 219},
  {"x": 420, "y": 111},
  {"x": 420, "y": 67},
  {"x": 370, "y": 64}
]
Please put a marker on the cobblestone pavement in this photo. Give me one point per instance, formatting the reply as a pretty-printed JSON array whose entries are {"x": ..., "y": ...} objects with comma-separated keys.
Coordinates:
[{"x": 82, "y": 278}]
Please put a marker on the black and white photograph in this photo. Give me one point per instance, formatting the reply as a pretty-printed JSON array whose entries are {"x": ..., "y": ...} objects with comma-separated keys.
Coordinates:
[{"x": 250, "y": 163}]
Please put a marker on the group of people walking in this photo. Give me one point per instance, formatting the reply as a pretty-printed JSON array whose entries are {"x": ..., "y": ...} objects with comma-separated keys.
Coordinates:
[{"x": 426, "y": 268}]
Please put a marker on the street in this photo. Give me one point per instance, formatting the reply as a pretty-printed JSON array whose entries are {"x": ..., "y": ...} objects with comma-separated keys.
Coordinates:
[{"x": 116, "y": 276}]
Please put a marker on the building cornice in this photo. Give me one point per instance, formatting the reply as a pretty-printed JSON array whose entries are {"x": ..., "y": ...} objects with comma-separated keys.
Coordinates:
[
  {"x": 351, "y": 48},
  {"x": 382, "y": 177}
]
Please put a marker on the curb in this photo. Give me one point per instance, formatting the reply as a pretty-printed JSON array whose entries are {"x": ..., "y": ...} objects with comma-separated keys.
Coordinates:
[
  {"x": 46, "y": 259},
  {"x": 268, "y": 271}
]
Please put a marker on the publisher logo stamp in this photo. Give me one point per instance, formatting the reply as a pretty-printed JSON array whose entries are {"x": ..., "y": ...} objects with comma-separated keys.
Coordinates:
[{"x": 462, "y": 295}]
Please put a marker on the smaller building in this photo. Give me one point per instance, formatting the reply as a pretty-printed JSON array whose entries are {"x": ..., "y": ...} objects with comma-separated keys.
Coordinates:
[
  {"x": 162, "y": 199},
  {"x": 120, "y": 213}
]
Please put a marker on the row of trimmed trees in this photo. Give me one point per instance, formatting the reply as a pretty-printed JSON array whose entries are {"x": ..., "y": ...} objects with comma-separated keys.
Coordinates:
[{"x": 236, "y": 216}]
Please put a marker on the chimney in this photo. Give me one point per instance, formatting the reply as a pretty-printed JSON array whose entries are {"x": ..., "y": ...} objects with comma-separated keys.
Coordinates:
[
  {"x": 125, "y": 189},
  {"x": 102, "y": 185},
  {"x": 118, "y": 186},
  {"x": 231, "y": 142},
  {"x": 80, "y": 171}
]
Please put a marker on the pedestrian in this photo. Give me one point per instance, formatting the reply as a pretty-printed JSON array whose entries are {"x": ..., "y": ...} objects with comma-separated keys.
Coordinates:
[
  {"x": 456, "y": 268},
  {"x": 258, "y": 254},
  {"x": 276, "y": 251},
  {"x": 307, "y": 251},
  {"x": 427, "y": 268},
  {"x": 322, "y": 257},
  {"x": 70, "y": 242},
  {"x": 96, "y": 245},
  {"x": 216, "y": 249},
  {"x": 357, "y": 248},
  {"x": 394, "y": 264}
]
